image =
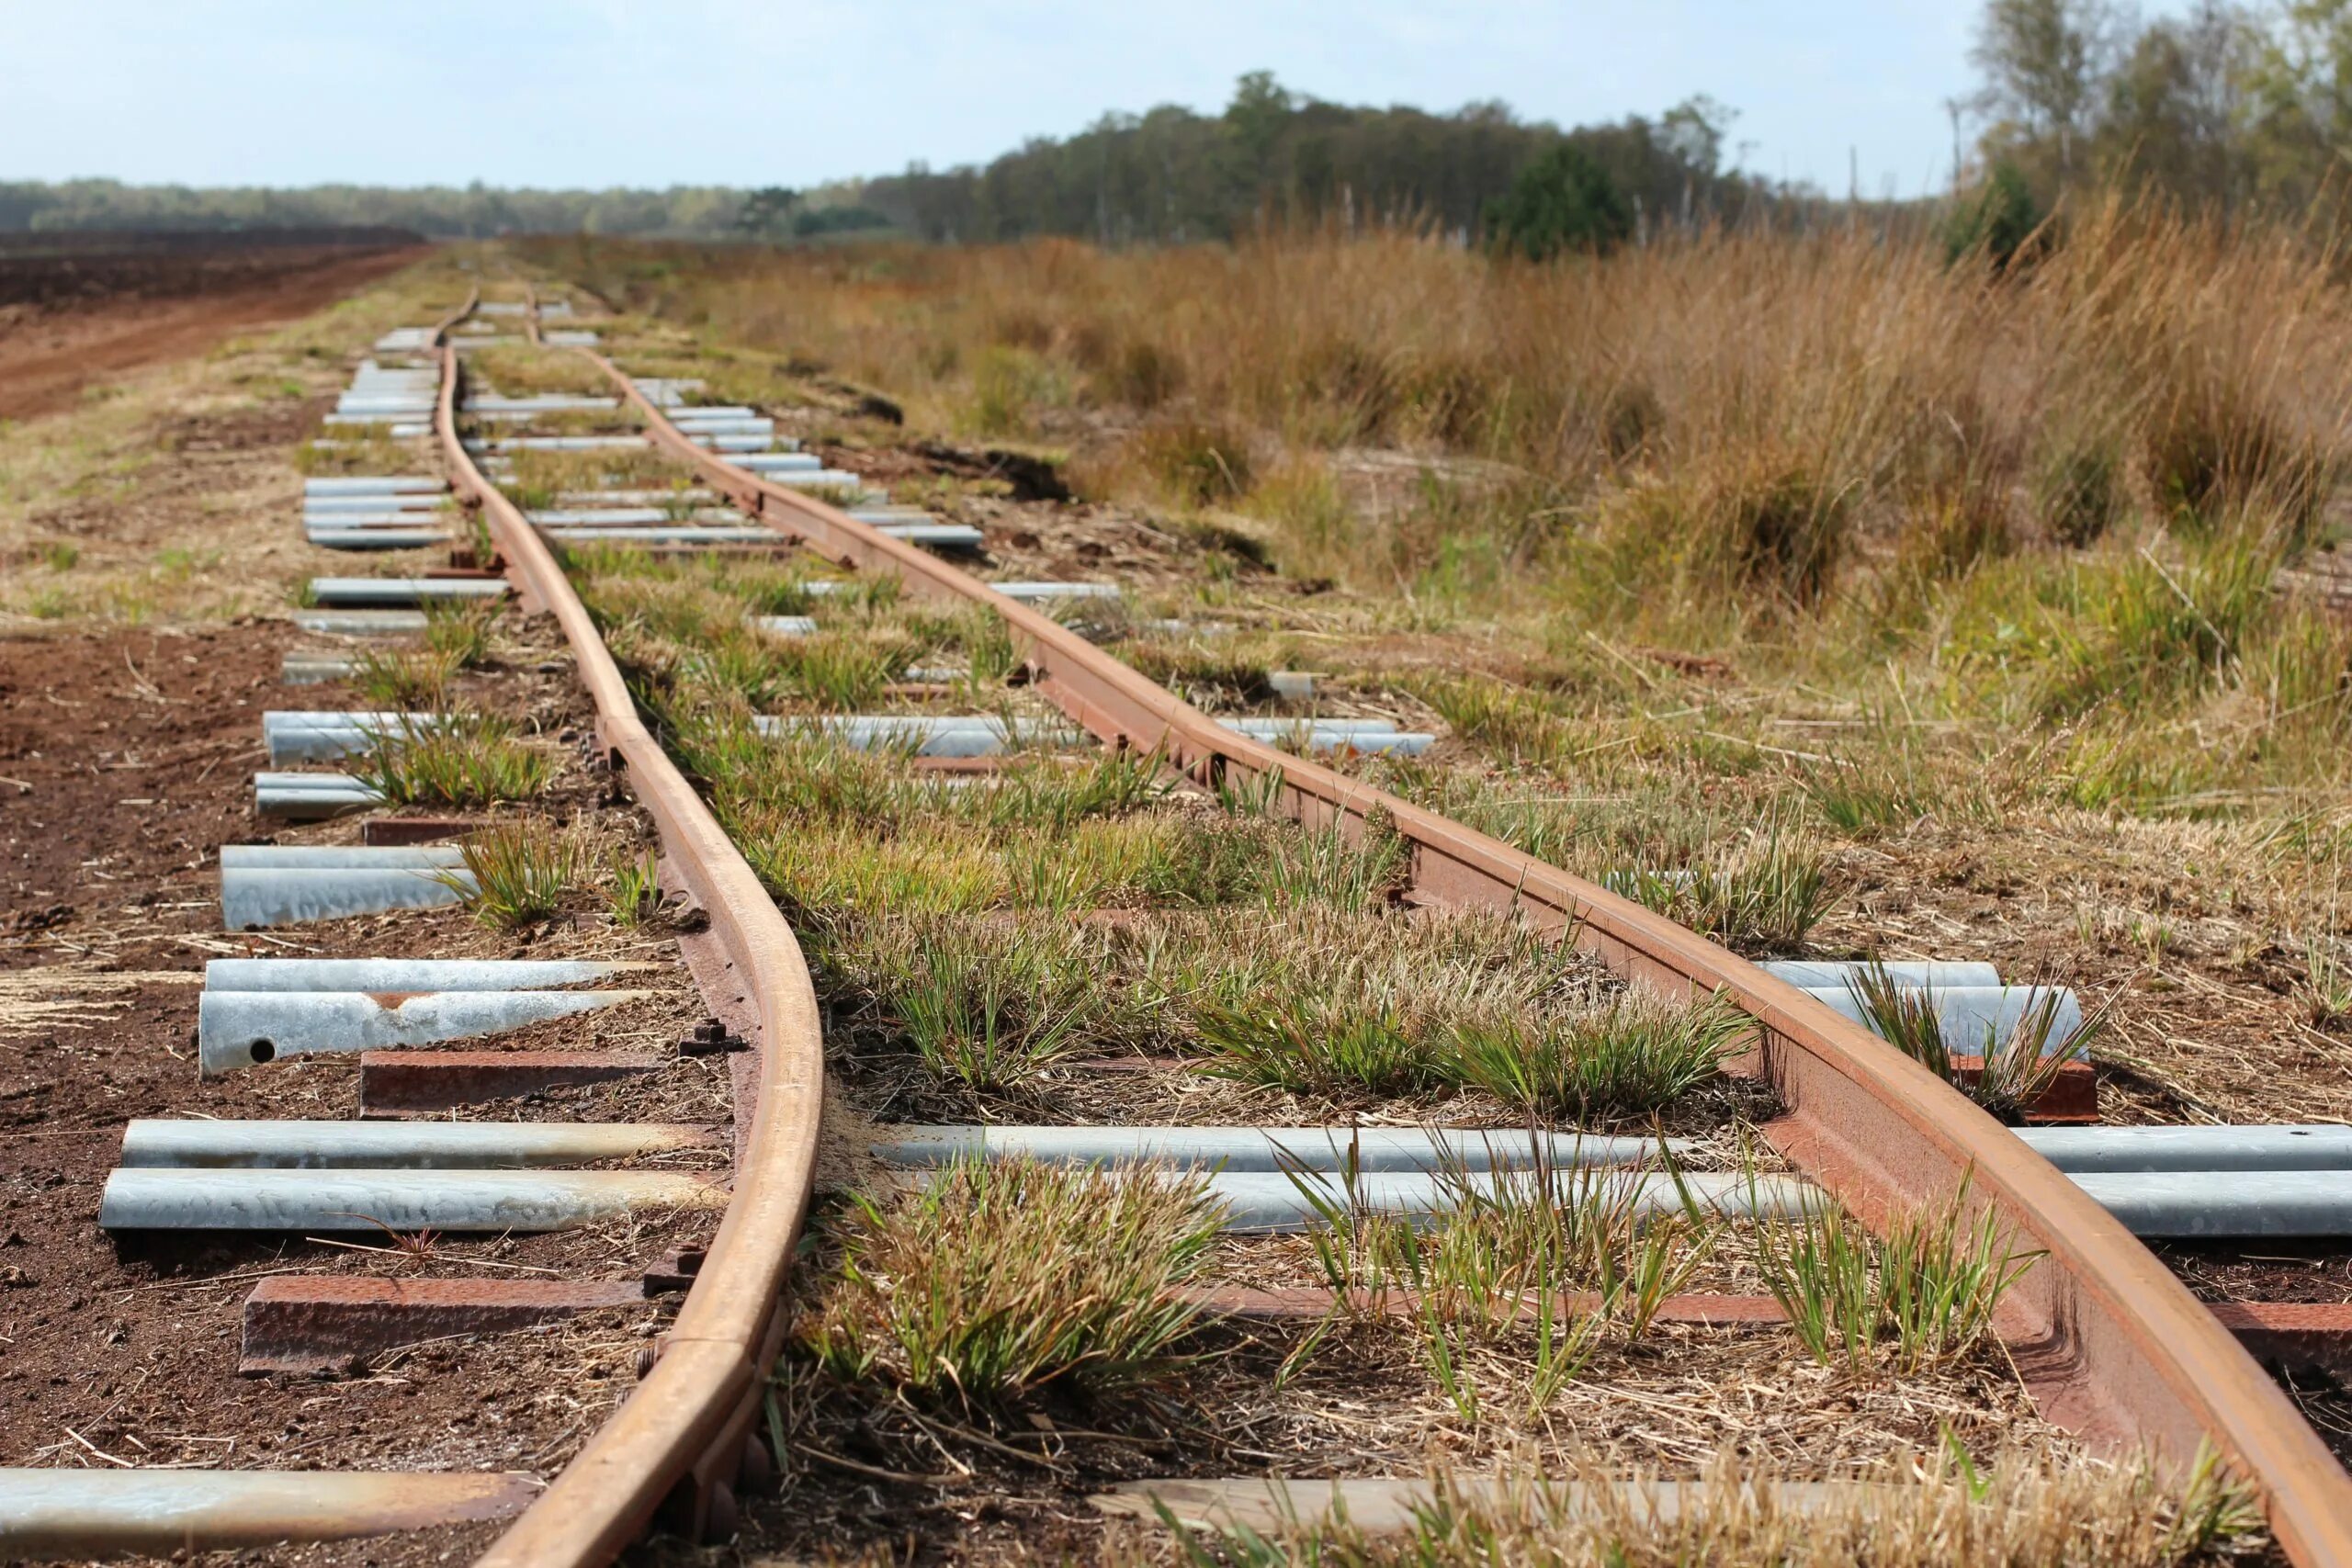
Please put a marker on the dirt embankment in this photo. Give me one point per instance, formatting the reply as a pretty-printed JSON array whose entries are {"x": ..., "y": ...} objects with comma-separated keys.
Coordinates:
[{"x": 69, "y": 319}]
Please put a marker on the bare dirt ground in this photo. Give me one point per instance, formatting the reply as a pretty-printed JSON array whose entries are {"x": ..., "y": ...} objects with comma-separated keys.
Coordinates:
[
  {"x": 130, "y": 695},
  {"x": 68, "y": 321}
]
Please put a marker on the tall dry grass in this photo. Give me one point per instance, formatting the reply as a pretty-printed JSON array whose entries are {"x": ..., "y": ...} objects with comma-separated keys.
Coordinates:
[
  {"x": 2054, "y": 497},
  {"x": 1823, "y": 379}
]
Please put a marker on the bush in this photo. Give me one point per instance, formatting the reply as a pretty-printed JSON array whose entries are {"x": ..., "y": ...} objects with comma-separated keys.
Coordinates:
[
  {"x": 1562, "y": 201},
  {"x": 2000, "y": 217},
  {"x": 2078, "y": 490},
  {"x": 1199, "y": 463}
]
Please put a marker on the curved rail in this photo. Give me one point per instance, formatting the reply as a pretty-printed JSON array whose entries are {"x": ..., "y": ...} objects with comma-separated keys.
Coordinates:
[
  {"x": 2114, "y": 1344},
  {"x": 686, "y": 1422}
]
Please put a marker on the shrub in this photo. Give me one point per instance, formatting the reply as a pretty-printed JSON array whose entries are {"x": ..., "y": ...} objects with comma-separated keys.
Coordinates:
[
  {"x": 1562, "y": 201},
  {"x": 2001, "y": 217},
  {"x": 1197, "y": 464}
]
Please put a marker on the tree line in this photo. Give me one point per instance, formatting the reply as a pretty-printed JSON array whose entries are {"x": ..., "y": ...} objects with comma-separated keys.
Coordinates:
[
  {"x": 1171, "y": 175},
  {"x": 473, "y": 212},
  {"x": 2226, "y": 107},
  {"x": 1168, "y": 176}
]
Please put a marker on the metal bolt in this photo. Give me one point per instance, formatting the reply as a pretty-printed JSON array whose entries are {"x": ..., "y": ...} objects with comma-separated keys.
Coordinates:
[{"x": 710, "y": 1038}]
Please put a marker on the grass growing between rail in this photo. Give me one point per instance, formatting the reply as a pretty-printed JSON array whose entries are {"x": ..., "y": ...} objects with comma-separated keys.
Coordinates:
[
  {"x": 460, "y": 759},
  {"x": 521, "y": 873},
  {"x": 1530, "y": 1258},
  {"x": 2014, "y": 1070},
  {"x": 994, "y": 1282},
  {"x": 948, "y": 922},
  {"x": 1924, "y": 1292},
  {"x": 1776, "y": 580}
]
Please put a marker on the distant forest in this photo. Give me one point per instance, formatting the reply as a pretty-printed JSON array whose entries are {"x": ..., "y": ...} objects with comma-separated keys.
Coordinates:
[
  {"x": 1170, "y": 175},
  {"x": 2223, "y": 107},
  {"x": 474, "y": 211},
  {"x": 1173, "y": 175}
]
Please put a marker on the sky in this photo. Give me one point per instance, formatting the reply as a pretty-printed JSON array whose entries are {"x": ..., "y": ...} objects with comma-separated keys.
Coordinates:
[{"x": 736, "y": 92}]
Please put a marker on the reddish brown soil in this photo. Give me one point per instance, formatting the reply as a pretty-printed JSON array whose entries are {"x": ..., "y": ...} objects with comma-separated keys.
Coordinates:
[
  {"x": 68, "y": 321},
  {"x": 124, "y": 764},
  {"x": 87, "y": 723}
]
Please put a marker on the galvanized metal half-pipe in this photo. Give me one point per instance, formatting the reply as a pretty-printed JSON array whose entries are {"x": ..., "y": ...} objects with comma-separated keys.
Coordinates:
[
  {"x": 2113, "y": 1343},
  {"x": 164, "y": 1513}
]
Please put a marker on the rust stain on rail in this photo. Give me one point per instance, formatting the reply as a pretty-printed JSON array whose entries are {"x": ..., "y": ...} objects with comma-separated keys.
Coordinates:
[
  {"x": 682, "y": 1430},
  {"x": 2115, "y": 1346}
]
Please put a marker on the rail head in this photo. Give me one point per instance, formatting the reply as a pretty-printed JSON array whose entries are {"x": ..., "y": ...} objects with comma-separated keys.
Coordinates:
[
  {"x": 2120, "y": 1348},
  {"x": 686, "y": 1420}
]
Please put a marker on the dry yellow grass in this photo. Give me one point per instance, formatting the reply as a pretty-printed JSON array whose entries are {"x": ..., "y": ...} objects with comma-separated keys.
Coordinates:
[{"x": 1936, "y": 1510}]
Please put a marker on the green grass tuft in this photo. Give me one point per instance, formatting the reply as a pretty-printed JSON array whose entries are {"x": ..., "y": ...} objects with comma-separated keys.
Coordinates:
[
  {"x": 522, "y": 870},
  {"x": 993, "y": 1283}
]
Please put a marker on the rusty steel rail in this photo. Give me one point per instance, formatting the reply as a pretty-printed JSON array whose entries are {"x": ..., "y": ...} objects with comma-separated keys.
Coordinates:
[
  {"x": 2112, "y": 1343},
  {"x": 680, "y": 1436}
]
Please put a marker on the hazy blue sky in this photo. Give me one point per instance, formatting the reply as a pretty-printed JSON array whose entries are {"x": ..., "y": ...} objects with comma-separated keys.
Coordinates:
[{"x": 533, "y": 92}]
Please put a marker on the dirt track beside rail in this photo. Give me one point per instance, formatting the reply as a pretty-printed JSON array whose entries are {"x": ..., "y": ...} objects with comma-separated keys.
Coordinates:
[{"x": 68, "y": 322}]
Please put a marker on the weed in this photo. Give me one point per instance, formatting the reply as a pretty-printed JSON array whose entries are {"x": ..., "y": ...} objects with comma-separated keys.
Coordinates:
[
  {"x": 403, "y": 680},
  {"x": 472, "y": 761},
  {"x": 994, "y": 1281},
  {"x": 1505, "y": 720},
  {"x": 1009, "y": 385},
  {"x": 840, "y": 673},
  {"x": 1763, "y": 895},
  {"x": 2326, "y": 985},
  {"x": 1196, "y": 463},
  {"x": 1637, "y": 1056},
  {"x": 1320, "y": 1043},
  {"x": 176, "y": 565},
  {"x": 1325, "y": 865},
  {"x": 59, "y": 555},
  {"x": 520, "y": 871},
  {"x": 2014, "y": 1073},
  {"x": 1939, "y": 1509},
  {"x": 2078, "y": 490},
  {"x": 1340, "y": 1000},
  {"x": 458, "y": 633},
  {"x": 983, "y": 1011},
  {"x": 1924, "y": 1295},
  {"x": 1507, "y": 1247},
  {"x": 635, "y": 891}
]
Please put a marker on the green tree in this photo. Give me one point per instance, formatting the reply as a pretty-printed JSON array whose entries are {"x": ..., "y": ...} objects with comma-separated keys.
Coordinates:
[
  {"x": 2000, "y": 216},
  {"x": 2042, "y": 61},
  {"x": 2297, "y": 112},
  {"x": 1563, "y": 200},
  {"x": 2173, "y": 110},
  {"x": 766, "y": 210}
]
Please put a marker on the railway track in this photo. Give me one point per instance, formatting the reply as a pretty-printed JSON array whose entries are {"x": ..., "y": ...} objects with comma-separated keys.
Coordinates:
[{"x": 2109, "y": 1344}]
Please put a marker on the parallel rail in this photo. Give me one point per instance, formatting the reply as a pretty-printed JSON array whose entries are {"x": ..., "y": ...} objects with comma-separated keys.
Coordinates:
[
  {"x": 678, "y": 1438},
  {"x": 2113, "y": 1345}
]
